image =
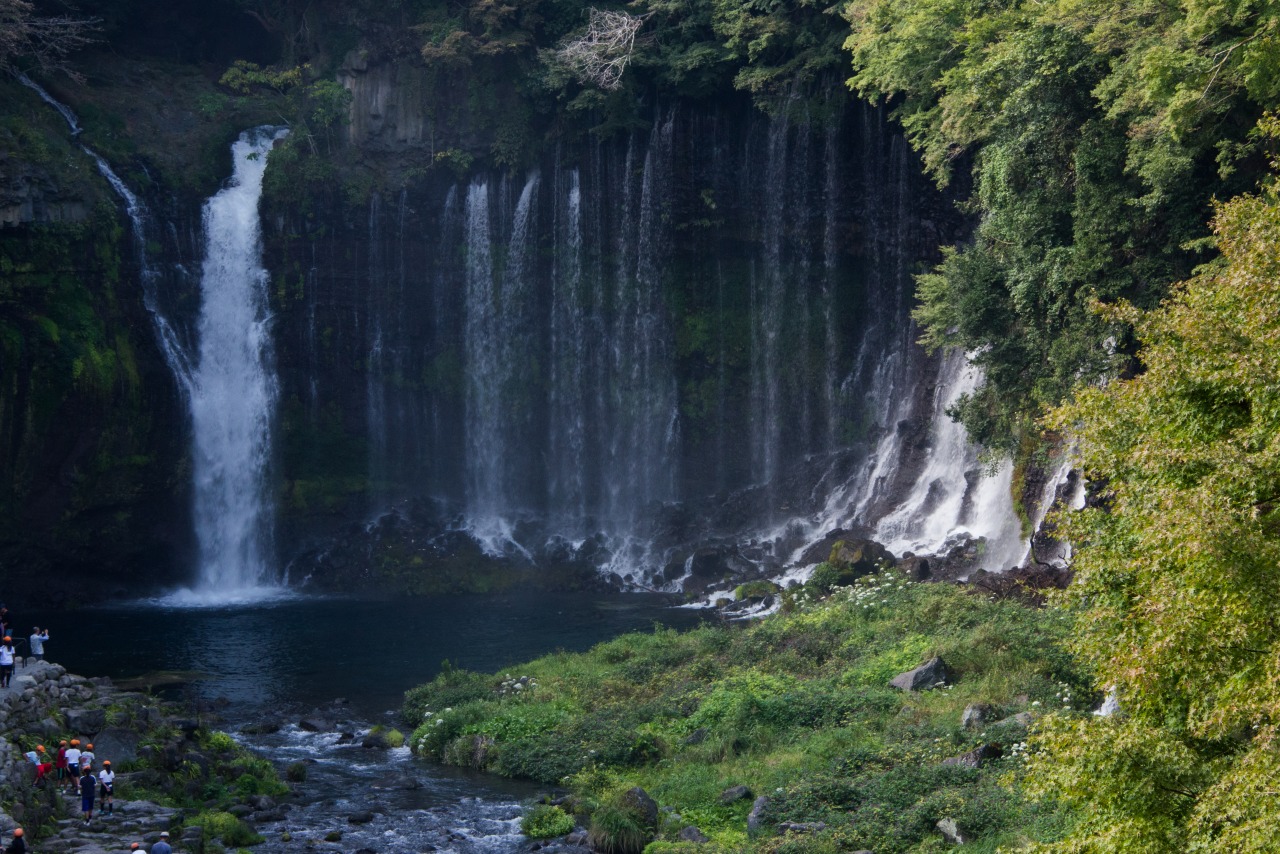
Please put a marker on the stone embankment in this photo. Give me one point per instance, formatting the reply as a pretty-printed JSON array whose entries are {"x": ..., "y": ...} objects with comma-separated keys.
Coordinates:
[{"x": 44, "y": 704}]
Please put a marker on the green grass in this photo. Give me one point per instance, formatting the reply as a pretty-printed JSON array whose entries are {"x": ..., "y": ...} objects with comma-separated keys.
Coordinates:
[{"x": 795, "y": 706}]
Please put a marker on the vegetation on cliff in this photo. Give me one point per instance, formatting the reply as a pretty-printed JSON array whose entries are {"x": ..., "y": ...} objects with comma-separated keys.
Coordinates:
[
  {"x": 1176, "y": 587},
  {"x": 795, "y": 708},
  {"x": 1096, "y": 134}
]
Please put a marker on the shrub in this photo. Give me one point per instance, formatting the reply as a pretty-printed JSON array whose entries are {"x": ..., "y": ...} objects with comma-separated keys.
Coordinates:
[
  {"x": 296, "y": 772},
  {"x": 218, "y": 742},
  {"x": 545, "y": 822},
  {"x": 615, "y": 830},
  {"x": 226, "y": 827},
  {"x": 451, "y": 689}
]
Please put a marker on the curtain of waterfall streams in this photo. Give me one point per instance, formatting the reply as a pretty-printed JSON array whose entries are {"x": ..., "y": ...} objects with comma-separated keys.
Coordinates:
[
  {"x": 694, "y": 335},
  {"x": 234, "y": 388}
]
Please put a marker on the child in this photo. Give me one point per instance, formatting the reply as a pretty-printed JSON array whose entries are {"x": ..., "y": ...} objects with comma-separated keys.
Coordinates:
[
  {"x": 88, "y": 788},
  {"x": 61, "y": 763},
  {"x": 73, "y": 766},
  {"x": 107, "y": 779}
]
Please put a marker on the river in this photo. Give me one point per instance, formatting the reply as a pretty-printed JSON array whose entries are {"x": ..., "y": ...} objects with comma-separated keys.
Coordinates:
[{"x": 284, "y": 659}]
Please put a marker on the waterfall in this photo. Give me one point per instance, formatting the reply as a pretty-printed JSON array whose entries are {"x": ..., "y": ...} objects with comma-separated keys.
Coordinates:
[
  {"x": 175, "y": 354},
  {"x": 570, "y": 363},
  {"x": 499, "y": 322},
  {"x": 950, "y": 496},
  {"x": 698, "y": 334},
  {"x": 234, "y": 389}
]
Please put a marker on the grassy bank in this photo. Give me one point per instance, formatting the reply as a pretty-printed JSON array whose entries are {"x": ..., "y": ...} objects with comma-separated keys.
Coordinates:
[{"x": 795, "y": 707}]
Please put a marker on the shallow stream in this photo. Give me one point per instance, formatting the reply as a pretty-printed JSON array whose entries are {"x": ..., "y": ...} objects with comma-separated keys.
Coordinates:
[{"x": 286, "y": 658}]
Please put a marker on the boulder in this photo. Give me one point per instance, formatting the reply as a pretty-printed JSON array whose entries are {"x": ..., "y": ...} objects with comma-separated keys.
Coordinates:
[
  {"x": 860, "y": 557},
  {"x": 637, "y": 801},
  {"x": 314, "y": 723},
  {"x": 976, "y": 758},
  {"x": 914, "y": 567},
  {"x": 86, "y": 721},
  {"x": 692, "y": 834},
  {"x": 734, "y": 794},
  {"x": 1021, "y": 719},
  {"x": 117, "y": 744},
  {"x": 698, "y": 736},
  {"x": 266, "y": 726},
  {"x": 362, "y": 817},
  {"x": 928, "y": 675},
  {"x": 755, "y": 820},
  {"x": 976, "y": 714},
  {"x": 951, "y": 832}
]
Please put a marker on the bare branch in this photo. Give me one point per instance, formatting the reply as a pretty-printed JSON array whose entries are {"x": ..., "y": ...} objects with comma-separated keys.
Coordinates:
[
  {"x": 45, "y": 42},
  {"x": 601, "y": 54}
]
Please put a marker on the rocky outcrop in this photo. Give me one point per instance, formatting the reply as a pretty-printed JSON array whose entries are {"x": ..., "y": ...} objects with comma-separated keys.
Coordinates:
[{"x": 931, "y": 674}]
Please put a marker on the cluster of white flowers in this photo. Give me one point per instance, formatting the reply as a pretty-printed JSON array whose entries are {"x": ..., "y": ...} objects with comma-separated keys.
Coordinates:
[
  {"x": 516, "y": 686},
  {"x": 1064, "y": 696},
  {"x": 873, "y": 590},
  {"x": 1017, "y": 750}
]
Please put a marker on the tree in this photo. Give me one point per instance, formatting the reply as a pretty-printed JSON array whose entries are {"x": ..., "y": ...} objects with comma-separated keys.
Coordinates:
[
  {"x": 600, "y": 54},
  {"x": 1097, "y": 132},
  {"x": 44, "y": 42},
  {"x": 1176, "y": 578}
]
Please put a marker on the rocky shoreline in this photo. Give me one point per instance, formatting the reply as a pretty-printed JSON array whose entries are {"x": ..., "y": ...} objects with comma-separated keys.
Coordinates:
[{"x": 155, "y": 747}]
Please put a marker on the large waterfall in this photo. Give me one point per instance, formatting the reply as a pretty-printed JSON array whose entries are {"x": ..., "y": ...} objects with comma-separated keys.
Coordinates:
[
  {"x": 234, "y": 388},
  {"x": 696, "y": 333}
]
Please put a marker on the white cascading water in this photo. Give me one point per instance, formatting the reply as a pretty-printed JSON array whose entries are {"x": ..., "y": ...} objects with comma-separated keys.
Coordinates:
[
  {"x": 951, "y": 496},
  {"x": 234, "y": 389}
]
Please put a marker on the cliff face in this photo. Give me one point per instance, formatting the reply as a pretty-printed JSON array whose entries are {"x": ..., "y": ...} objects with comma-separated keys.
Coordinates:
[
  {"x": 633, "y": 344},
  {"x": 602, "y": 339}
]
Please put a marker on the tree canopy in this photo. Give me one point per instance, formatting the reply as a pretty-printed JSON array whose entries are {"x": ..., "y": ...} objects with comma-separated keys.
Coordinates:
[
  {"x": 1176, "y": 571},
  {"x": 1097, "y": 133}
]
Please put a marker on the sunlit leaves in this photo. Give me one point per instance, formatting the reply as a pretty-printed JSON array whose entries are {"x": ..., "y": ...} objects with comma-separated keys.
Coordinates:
[{"x": 1176, "y": 577}]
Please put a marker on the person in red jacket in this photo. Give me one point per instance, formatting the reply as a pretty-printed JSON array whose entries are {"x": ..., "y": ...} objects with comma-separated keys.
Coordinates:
[{"x": 60, "y": 764}]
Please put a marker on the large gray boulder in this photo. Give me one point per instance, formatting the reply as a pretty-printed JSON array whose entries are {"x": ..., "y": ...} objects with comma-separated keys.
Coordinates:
[
  {"x": 86, "y": 721},
  {"x": 975, "y": 715},
  {"x": 976, "y": 758},
  {"x": 638, "y": 802},
  {"x": 931, "y": 674},
  {"x": 118, "y": 745}
]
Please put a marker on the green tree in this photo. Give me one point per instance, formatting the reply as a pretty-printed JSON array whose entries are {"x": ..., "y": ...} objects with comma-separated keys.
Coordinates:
[
  {"x": 1097, "y": 133},
  {"x": 1176, "y": 576}
]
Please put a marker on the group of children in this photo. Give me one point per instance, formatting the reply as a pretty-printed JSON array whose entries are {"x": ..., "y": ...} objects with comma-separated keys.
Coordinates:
[{"x": 74, "y": 770}]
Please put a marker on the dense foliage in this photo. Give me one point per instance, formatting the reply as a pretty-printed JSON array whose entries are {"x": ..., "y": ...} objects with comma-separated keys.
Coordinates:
[
  {"x": 796, "y": 707},
  {"x": 1097, "y": 134},
  {"x": 1176, "y": 580}
]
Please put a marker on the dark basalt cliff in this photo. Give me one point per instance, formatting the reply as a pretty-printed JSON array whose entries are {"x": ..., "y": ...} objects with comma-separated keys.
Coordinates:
[{"x": 692, "y": 306}]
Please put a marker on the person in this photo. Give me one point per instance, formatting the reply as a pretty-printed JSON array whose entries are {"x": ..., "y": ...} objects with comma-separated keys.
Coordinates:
[
  {"x": 134, "y": 846},
  {"x": 37, "y": 640},
  {"x": 106, "y": 782},
  {"x": 7, "y": 654},
  {"x": 86, "y": 755},
  {"x": 61, "y": 762},
  {"x": 162, "y": 847},
  {"x": 42, "y": 763},
  {"x": 88, "y": 789},
  {"x": 19, "y": 843},
  {"x": 73, "y": 766}
]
